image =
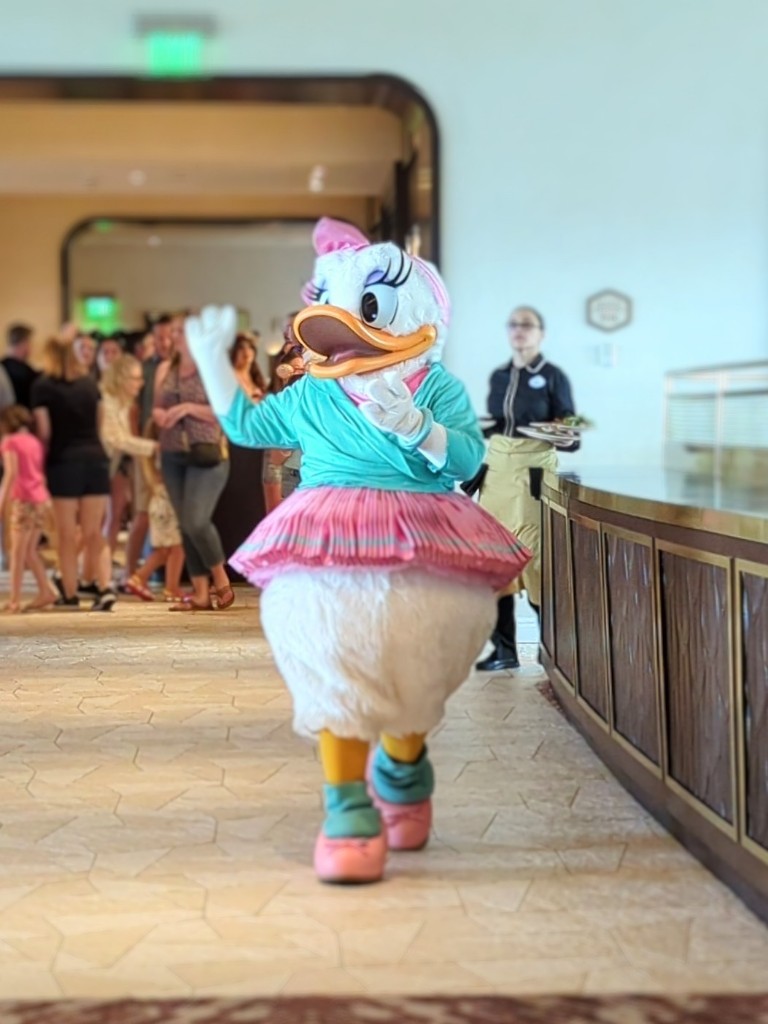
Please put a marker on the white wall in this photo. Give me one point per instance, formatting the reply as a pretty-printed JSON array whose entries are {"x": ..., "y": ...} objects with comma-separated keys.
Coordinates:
[{"x": 585, "y": 144}]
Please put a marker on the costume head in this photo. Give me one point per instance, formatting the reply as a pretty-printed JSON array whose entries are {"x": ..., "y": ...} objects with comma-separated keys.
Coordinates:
[{"x": 372, "y": 305}]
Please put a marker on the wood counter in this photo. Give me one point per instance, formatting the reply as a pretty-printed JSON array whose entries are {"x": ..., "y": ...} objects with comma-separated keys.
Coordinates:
[{"x": 655, "y": 636}]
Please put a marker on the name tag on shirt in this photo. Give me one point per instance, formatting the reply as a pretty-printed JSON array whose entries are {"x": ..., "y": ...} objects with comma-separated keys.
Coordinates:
[{"x": 537, "y": 382}]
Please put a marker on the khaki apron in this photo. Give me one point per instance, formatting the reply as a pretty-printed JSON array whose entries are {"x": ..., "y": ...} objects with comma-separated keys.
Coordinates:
[{"x": 506, "y": 494}]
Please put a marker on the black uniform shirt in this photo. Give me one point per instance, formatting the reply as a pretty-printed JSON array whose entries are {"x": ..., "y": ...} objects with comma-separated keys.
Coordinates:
[{"x": 537, "y": 393}]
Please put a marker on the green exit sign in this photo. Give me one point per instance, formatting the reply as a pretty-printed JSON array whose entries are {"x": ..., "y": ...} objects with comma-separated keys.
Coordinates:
[
  {"x": 99, "y": 307},
  {"x": 174, "y": 54}
]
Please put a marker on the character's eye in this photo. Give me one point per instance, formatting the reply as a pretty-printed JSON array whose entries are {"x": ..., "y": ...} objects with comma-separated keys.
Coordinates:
[{"x": 378, "y": 305}]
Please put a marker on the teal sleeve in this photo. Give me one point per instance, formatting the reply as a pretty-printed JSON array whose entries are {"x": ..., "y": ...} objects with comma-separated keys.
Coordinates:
[
  {"x": 266, "y": 424},
  {"x": 451, "y": 407}
]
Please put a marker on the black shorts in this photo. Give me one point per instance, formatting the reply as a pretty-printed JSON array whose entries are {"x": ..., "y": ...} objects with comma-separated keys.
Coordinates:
[{"x": 81, "y": 478}]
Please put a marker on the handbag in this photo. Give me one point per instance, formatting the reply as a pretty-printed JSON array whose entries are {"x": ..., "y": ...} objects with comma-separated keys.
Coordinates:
[
  {"x": 204, "y": 454},
  {"x": 201, "y": 454}
]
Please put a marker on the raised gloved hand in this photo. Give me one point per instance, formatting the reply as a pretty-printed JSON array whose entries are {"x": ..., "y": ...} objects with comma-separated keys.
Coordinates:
[
  {"x": 210, "y": 336},
  {"x": 389, "y": 406}
]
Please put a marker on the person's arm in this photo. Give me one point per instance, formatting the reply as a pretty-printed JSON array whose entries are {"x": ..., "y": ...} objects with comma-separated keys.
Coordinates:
[
  {"x": 43, "y": 425},
  {"x": 116, "y": 435},
  {"x": 39, "y": 399},
  {"x": 453, "y": 412},
  {"x": 159, "y": 414},
  {"x": 10, "y": 472},
  {"x": 194, "y": 410},
  {"x": 266, "y": 424},
  {"x": 562, "y": 404},
  {"x": 7, "y": 393}
]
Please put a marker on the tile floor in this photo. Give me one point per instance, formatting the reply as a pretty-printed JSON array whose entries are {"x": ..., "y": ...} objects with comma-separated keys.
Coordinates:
[{"x": 157, "y": 818}]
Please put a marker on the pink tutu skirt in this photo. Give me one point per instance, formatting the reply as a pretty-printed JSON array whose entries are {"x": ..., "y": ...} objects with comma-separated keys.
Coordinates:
[{"x": 361, "y": 528}]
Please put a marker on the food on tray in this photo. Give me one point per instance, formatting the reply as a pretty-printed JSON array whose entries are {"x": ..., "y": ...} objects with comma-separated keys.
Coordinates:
[{"x": 570, "y": 425}]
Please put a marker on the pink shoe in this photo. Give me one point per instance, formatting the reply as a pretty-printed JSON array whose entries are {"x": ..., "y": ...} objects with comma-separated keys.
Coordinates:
[
  {"x": 407, "y": 825},
  {"x": 350, "y": 860}
]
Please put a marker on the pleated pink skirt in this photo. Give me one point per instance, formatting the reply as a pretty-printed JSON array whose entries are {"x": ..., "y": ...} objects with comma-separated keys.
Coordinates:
[{"x": 356, "y": 528}]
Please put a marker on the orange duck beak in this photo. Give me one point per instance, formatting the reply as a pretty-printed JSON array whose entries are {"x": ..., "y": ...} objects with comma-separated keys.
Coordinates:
[{"x": 343, "y": 344}]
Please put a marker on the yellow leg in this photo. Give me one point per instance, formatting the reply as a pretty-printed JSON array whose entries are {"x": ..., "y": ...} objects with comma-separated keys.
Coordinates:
[
  {"x": 343, "y": 760},
  {"x": 405, "y": 749}
]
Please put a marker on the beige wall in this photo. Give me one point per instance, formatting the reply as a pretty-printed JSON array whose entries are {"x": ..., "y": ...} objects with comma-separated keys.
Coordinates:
[
  {"x": 32, "y": 230},
  {"x": 259, "y": 270}
]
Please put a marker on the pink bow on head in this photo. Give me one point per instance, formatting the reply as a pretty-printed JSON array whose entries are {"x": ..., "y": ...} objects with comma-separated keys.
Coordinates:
[
  {"x": 331, "y": 235},
  {"x": 437, "y": 286}
]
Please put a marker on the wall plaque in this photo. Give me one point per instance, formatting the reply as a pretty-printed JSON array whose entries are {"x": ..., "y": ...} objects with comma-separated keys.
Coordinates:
[{"x": 609, "y": 310}]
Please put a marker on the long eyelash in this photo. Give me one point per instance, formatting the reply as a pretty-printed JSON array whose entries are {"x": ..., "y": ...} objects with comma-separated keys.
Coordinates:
[
  {"x": 314, "y": 292},
  {"x": 402, "y": 274}
]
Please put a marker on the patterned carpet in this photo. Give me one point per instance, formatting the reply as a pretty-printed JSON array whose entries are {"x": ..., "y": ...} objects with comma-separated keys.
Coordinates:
[{"x": 460, "y": 1010}]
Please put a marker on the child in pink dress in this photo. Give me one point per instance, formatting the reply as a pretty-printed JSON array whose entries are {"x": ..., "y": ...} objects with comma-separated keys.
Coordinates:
[{"x": 24, "y": 485}]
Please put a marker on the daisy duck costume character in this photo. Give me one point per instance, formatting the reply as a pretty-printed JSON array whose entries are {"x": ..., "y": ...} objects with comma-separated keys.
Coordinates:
[{"x": 379, "y": 579}]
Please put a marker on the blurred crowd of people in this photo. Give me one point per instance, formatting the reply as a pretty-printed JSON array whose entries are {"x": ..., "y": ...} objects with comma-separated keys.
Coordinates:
[{"x": 113, "y": 462}]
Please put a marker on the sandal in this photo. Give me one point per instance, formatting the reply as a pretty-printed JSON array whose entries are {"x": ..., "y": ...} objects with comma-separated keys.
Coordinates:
[
  {"x": 136, "y": 588},
  {"x": 190, "y": 606},
  {"x": 225, "y": 597}
]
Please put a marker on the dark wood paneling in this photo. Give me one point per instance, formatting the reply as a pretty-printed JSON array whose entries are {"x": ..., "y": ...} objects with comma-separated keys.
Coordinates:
[
  {"x": 547, "y": 623},
  {"x": 754, "y": 619},
  {"x": 697, "y": 674},
  {"x": 590, "y": 624},
  {"x": 565, "y": 628},
  {"x": 629, "y": 579},
  {"x": 730, "y": 861}
]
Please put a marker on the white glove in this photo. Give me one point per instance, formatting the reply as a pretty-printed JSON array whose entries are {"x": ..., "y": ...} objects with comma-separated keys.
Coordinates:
[
  {"x": 210, "y": 336},
  {"x": 389, "y": 406}
]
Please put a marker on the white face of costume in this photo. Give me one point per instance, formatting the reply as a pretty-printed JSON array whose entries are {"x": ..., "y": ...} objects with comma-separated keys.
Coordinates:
[{"x": 372, "y": 307}]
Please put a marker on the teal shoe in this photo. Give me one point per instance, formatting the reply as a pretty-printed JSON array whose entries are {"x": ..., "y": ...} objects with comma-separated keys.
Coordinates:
[{"x": 403, "y": 794}]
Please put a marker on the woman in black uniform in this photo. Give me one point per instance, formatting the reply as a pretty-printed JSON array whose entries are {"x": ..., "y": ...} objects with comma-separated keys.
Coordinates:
[{"x": 526, "y": 390}]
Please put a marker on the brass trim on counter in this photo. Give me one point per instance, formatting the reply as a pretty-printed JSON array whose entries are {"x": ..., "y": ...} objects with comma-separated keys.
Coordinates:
[
  {"x": 742, "y": 567},
  {"x": 572, "y": 601},
  {"x": 695, "y": 554},
  {"x": 731, "y": 829},
  {"x": 753, "y": 568},
  {"x": 557, "y": 507},
  {"x": 739, "y": 525},
  {"x": 562, "y": 679},
  {"x": 631, "y": 535},
  {"x": 630, "y": 748},
  {"x": 547, "y": 611}
]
